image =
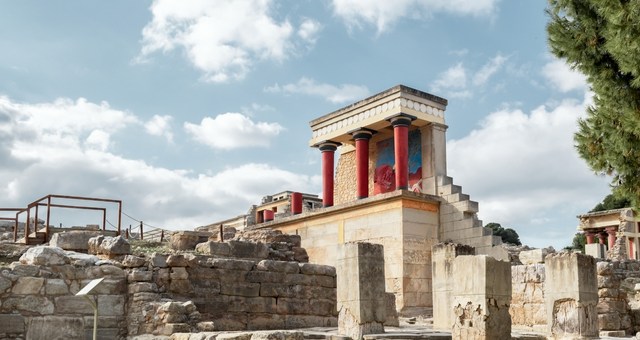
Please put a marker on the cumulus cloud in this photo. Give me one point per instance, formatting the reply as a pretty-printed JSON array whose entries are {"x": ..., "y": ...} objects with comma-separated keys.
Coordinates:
[
  {"x": 522, "y": 168},
  {"x": 562, "y": 77},
  {"x": 224, "y": 39},
  {"x": 160, "y": 126},
  {"x": 232, "y": 131},
  {"x": 332, "y": 93},
  {"x": 383, "y": 13},
  {"x": 74, "y": 159},
  {"x": 460, "y": 82}
]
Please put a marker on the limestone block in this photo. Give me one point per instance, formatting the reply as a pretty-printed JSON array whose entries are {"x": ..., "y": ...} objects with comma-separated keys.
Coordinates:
[
  {"x": 481, "y": 305},
  {"x": 179, "y": 273},
  {"x": 71, "y": 304},
  {"x": 251, "y": 304},
  {"x": 55, "y": 327},
  {"x": 234, "y": 336},
  {"x": 360, "y": 289},
  {"x": 246, "y": 250},
  {"x": 213, "y": 248},
  {"x": 11, "y": 323},
  {"x": 177, "y": 260},
  {"x": 32, "y": 304},
  {"x": 571, "y": 295},
  {"x": 180, "y": 286},
  {"x": 265, "y": 321},
  {"x": 307, "y": 321},
  {"x": 73, "y": 239},
  {"x": 278, "y": 266},
  {"x": 240, "y": 289},
  {"x": 187, "y": 240},
  {"x": 262, "y": 276},
  {"x": 131, "y": 261},
  {"x": 28, "y": 285},
  {"x": 24, "y": 269},
  {"x": 596, "y": 250},
  {"x": 234, "y": 264},
  {"x": 139, "y": 287},
  {"x": 280, "y": 290},
  {"x": 44, "y": 256},
  {"x": 323, "y": 307},
  {"x": 392, "y": 313},
  {"x": 82, "y": 260},
  {"x": 111, "y": 305},
  {"x": 56, "y": 287},
  {"x": 442, "y": 256},
  {"x": 138, "y": 274},
  {"x": 288, "y": 306},
  {"x": 533, "y": 256},
  {"x": 317, "y": 269},
  {"x": 113, "y": 246},
  {"x": 158, "y": 260}
]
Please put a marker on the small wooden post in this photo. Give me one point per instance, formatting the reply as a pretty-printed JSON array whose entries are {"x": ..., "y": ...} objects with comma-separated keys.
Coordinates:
[
  {"x": 162, "y": 235},
  {"x": 141, "y": 236},
  {"x": 221, "y": 239}
]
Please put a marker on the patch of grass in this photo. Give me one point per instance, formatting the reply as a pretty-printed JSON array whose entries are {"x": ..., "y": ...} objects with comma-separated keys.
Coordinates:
[{"x": 142, "y": 247}]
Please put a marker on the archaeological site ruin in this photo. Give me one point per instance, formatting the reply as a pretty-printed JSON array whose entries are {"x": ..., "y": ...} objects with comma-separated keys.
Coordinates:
[{"x": 393, "y": 249}]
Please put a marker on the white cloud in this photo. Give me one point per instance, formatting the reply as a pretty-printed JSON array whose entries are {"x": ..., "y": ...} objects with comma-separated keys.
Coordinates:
[
  {"x": 232, "y": 131},
  {"x": 454, "y": 77},
  {"x": 488, "y": 70},
  {"x": 160, "y": 126},
  {"x": 522, "y": 168},
  {"x": 223, "y": 39},
  {"x": 562, "y": 77},
  {"x": 335, "y": 94},
  {"x": 384, "y": 13},
  {"x": 73, "y": 160}
]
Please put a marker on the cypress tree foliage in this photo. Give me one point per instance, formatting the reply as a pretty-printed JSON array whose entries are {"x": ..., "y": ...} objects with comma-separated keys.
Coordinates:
[{"x": 601, "y": 39}]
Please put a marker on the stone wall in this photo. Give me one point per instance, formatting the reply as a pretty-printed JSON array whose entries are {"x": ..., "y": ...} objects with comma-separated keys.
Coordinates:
[
  {"x": 163, "y": 294},
  {"x": 527, "y": 300},
  {"x": 617, "y": 304},
  {"x": 345, "y": 179}
]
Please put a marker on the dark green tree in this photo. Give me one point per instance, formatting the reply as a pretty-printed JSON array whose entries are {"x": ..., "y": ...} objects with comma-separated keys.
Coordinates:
[
  {"x": 601, "y": 39},
  {"x": 507, "y": 235},
  {"x": 612, "y": 201},
  {"x": 579, "y": 240}
]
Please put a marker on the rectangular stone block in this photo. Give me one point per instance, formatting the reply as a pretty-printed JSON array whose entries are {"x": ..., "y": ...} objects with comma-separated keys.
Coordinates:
[
  {"x": 360, "y": 285},
  {"x": 251, "y": 304},
  {"x": 571, "y": 295},
  {"x": 28, "y": 285},
  {"x": 11, "y": 323},
  {"x": 442, "y": 256},
  {"x": 261, "y": 321},
  {"x": 481, "y": 298},
  {"x": 240, "y": 289}
]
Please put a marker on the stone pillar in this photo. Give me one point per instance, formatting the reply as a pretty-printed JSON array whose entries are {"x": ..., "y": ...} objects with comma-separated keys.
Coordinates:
[
  {"x": 481, "y": 298},
  {"x": 360, "y": 289},
  {"x": 401, "y": 125},
  {"x": 571, "y": 296},
  {"x": 611, "y": 231},
  {"x": 328, "y": 149},
  {"x": 362, "y": 138},
  {"x": 442, "y": 256},
  {"x": 296, "y": 203},
  {"x": 589, "y": 236},
  {"x": 434, "y": 156}
]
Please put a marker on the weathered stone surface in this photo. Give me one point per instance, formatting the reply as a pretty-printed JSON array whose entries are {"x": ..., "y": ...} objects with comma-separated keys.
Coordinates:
[
  {"x": 265, "y": 321},
  {"x": 177, "y": 260},
  {"x": 360, "y": 289},
  {"x": 55, "y": 327},
  {"x": 140, "y": 287},
  {"x": 317, "y": 269},
  {"x": 71, "y": 304},
  {"x": 158, "y": 260},
  {"x": 279, "y": 335},
  {"x": 111, "y": 305},
  {"x": 4, "y": 284},
  {"x": 29, "y": 304},
  {"x": 248, "y": 250},
  {"x": 11, "y": 323},
  {"x": 28, "y": 285},
  {"x": 179, "y": 273},
  {"x": 115, "y": 246},
  {"x": 213, "y": 248},
  {"x": 571, "y": 295},
  {"x": 233, "y": 264},
  {"x": 73, "y": 239},
  {"x": 44, "y": 256},
  {"x": 131, "y": 261},
  {"x": 82, "y": 260},
  {"x": 481, "y": 304},
  {"x": 187, "y": 240},
  {"x": 278, "y": 266},
  {"x": 24, "y": 269},
  {"x": 533, "y": 256}
]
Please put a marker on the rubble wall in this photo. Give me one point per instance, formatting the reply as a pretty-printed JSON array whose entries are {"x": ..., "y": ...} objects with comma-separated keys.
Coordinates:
[{"x": 163, "y": 294}]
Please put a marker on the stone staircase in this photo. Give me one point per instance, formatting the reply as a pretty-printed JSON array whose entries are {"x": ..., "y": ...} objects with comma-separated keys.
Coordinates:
[
  {"x": 34, "y": 238},
  {"x": 459, "y": 221}
]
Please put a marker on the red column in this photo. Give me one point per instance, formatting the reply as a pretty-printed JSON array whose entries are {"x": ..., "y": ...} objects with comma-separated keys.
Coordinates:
[
  {"x": 590, "y": 237},
  {"x": 327, "y": 149},
  {"x": 296, "y": 203},
  {"x": 268, "y": 215},
  {"x": 362, "y": 162},
  {"x": 602, "y": 237},
  {"x": 401, "y": 148},
  {"x": 612, "y": 236}
]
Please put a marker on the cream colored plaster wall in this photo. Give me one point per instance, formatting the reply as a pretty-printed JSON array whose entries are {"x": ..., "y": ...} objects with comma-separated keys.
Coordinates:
[{"x": 406, "y": 229}]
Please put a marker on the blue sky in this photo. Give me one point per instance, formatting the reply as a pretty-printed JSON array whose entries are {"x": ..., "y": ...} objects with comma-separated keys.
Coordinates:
[{"x": 190, "y": 111}]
